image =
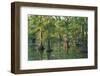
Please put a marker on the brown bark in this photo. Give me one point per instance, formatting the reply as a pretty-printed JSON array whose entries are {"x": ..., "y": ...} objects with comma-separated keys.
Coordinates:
[{"x": 65, "y": 44}]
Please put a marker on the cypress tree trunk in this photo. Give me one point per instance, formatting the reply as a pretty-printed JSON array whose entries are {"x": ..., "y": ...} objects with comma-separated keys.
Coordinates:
[
  {"x": 41, "y": 47},
  {"x": 83, "y": 34},
  {"x": 60, "y": 39},
  {"x": 65, "y": 44}
]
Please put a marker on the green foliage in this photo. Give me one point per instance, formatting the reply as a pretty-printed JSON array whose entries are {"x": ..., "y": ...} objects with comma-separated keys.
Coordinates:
[{"x": 54, "y": 30}]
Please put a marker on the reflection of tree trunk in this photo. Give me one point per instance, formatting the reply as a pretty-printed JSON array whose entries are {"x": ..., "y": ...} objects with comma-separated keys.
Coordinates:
[
  {"x": 74, "y": 39},
  {"x": 49, "y": 50},
  {"x": 74, "y": 45}
]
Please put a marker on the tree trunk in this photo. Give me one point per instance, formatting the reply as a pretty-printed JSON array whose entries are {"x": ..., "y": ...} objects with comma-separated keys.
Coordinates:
[
  {"x": 60, "y": 39},
  {"x": 65, "y": 44},
  {"x": 41, "y": 47}
]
